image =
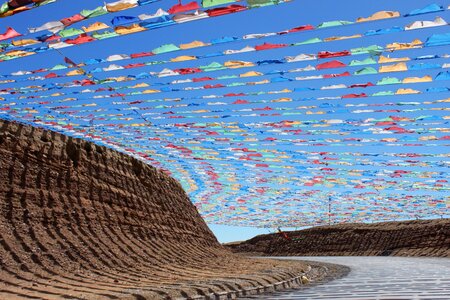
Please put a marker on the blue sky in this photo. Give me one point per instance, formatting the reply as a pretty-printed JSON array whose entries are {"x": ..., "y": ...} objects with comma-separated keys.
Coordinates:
[
  {"x": 227, "y": 234},
  {"x": 268, "y": 19}
]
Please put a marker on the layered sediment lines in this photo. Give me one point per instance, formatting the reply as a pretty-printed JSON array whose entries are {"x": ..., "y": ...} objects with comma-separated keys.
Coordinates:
[
  {"x": 406, "y": 238},
  {"x": 79, "y": 220}
]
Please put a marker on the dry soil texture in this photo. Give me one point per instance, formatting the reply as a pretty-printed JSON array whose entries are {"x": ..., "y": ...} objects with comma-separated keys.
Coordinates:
[
  {"x": 79, "y": 220},
  {"x": 407, "y": 238}
]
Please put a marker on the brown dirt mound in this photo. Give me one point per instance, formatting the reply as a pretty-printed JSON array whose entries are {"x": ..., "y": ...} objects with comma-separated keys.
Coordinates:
[
  {"x": 407, "y": 238},
  {"x": 83, "y": 221}
]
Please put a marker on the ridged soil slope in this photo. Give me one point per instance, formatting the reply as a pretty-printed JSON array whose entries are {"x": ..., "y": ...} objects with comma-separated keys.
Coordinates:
[
  {"x": 79, "y": 220},
  {"x": 406, "y": 238}
]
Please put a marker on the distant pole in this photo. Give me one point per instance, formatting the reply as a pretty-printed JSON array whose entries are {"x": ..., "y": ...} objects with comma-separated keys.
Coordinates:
[
  {"x": 91, "y": 125},
  {"x": 329, "y": 210}
]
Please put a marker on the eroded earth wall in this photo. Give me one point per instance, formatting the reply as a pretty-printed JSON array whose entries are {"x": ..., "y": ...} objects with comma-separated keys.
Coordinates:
[
  {"x": 406, "y": 238},
  {"x": 83, "y": 221}
]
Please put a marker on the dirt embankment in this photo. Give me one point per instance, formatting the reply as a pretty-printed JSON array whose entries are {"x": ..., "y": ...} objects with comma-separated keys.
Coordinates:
[
  {"x": 406, "y": 238},
  {"x": 83, "y": 221}
]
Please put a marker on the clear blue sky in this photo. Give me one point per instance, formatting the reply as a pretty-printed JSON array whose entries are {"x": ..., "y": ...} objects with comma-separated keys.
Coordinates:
[
  {"x": 227, "y": 234},
  {"x": 219, "y": 208}
]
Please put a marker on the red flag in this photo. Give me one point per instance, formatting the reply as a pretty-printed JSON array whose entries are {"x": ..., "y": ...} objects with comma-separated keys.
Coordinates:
[{"x": 69, "y": 61}]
